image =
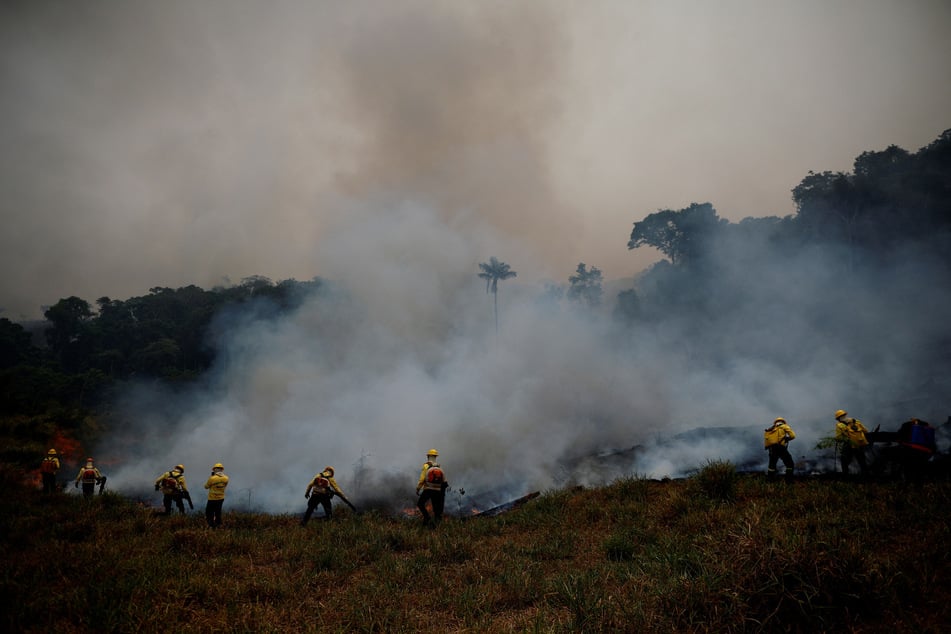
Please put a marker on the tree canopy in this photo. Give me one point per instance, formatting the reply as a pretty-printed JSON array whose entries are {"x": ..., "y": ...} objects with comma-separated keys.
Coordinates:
[{"x": 680, "y": 235}]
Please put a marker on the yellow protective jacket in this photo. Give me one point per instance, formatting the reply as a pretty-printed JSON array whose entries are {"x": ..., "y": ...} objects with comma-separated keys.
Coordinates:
[
  {"x": 316, "y": 489},
  {"x": 423, "y": 484},
  {"x": 778, "y": 434},
  {"x": 91, "y": 478},
  {"x": 216, "y": 486},
  {"x": 851, "y": 430},
  {"x": 166, "y": 487}
]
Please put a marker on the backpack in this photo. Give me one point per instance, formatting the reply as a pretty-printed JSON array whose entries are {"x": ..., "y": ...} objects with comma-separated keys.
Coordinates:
[
  {"x": 48, "y": 466},
  {"x": 170, "y": 482},
  {"x": 856, "y": 435},
  {"x": 89, "y": 475},
  {"x": 434, "y": 475},
  {"x": 774, "y": 436},
  {"x": 320, "y": 485},
  {"x": 922, "y": 436}
]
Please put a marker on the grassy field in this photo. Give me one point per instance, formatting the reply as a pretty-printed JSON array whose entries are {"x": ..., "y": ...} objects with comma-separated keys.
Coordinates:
[{"x": 717, "y": 552}]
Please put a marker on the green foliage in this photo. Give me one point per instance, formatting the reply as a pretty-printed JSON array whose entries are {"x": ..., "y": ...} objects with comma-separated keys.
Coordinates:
[
  {"x": 15, "y": 344},
  {"x": 621, "y": 546},
  {"x": 717, "y": 480},
  {"x": 680, "y": 235},
  {"x": 161, "y": 335}
]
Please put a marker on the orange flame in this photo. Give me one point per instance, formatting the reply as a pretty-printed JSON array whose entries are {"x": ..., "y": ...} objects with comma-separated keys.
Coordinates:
[{"x": 69, "y": 449}]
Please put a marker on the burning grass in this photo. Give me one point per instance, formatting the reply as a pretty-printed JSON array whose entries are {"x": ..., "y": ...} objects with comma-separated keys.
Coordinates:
[{"x": 638, "y": 555}]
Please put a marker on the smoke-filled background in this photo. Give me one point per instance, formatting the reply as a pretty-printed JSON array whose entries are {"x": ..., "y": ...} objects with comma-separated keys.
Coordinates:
[{"x": 390, "y": 148}]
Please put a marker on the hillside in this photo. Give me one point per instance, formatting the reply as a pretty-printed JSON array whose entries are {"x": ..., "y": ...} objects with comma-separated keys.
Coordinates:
[{"x": 716, "y": 552}]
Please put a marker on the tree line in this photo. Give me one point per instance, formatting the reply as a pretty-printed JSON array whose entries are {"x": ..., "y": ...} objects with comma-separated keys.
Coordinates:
[{"x": 893, "y": 207}]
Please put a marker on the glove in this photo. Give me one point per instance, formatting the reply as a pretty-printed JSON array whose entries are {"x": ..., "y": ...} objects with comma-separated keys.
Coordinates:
[
  {"x": 156, "y": 487},
  {"x": 77, "y": 484},
  {"x": 306, "y": 496}
]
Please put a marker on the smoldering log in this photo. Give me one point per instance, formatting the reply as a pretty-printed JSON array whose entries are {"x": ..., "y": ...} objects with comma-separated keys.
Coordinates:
[{"x": 508, "y": 506}]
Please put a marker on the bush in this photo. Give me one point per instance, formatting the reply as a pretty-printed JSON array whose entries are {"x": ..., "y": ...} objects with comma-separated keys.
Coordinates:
[{"x": 717, "y": 480}]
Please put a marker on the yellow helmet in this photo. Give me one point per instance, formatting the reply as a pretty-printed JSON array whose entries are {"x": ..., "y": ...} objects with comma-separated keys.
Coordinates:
[
  {"x": 329, "y": 470},
  {"x": 432, "y": 452},
  {"x": 780, "y": 419},
  {"x": 839, "y": 413},
  {"x": 180, "y": 468},
  {"x": 218, "y": 465},
  {"x": 51, "y": 452}
]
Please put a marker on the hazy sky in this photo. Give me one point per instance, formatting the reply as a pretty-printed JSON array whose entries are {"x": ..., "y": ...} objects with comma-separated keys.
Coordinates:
[{"x": 171, "y": 143}]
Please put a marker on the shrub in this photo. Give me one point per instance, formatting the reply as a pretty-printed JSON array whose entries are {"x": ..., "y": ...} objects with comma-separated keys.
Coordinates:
[{"x": 717, "y": 480}]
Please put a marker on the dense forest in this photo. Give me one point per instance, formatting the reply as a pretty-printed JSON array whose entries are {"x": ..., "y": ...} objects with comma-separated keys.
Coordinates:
[
  {"x": 865, "y": 262},
  {"x": 57, "y": 377}
]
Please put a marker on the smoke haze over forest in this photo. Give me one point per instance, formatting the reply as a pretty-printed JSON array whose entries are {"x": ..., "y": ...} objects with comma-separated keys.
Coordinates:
[
  {"x": 164, "y": 144},
  {"x": 391, "y": 148}
]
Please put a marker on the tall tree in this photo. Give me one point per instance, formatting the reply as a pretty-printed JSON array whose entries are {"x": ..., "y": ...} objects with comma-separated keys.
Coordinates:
[
  {"x": 493, "y": 272},
  {"x": 585, "y": 285},
  {"x": 66, "y": 335},
  {"x": 680, "y": 235}
]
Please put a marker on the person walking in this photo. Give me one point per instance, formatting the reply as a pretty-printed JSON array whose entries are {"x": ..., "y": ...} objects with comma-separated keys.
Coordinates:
[
  {"x": 431, "y": 488},
  {"x": 173, "y": 488},
  {"x": 776, "y": 438},
  {"x": 89, "y": 475},
  {"x": 850, "y": 435},
  {"x": 49, "y": 467},
  {"x": 216, "y": 484},
  {"x": 320, "y": 490}
]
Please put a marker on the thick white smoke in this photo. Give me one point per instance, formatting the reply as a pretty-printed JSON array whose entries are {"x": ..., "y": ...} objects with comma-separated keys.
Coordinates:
[
  {"x": 400, "y": 354},
  {"x": 402, "y": 358},
  {"x": 390, "y": 150}
]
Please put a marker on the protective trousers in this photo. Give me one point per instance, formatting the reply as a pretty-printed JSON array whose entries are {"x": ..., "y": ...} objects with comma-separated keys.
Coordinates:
[
  {"x": 777, "y": 453},
  {"x": 213, "y": 512},
  {"x": 312, "y": 502},
  {"x": 167, "y": 500},
  {"x": 438, "y": 500},
  {"x": 858, "y": 453}
]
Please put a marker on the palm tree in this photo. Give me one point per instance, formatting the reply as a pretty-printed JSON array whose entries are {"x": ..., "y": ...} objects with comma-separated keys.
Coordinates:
[{"x": 492, "y": 272}]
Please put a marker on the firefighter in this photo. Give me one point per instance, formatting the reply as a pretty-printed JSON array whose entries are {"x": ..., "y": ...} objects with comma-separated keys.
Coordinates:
[
  {"x": 850, "y": 436},
  {"x": 215, "y": 484},
  {"x": 321, "y": 490},
  {"x": 90, "y": 476},
  {"x": 49, "y": 467},
  {"x": 776, "y": 438},
  {"x": 431, "y": 488},
  {"x": 173, "y": 488}
]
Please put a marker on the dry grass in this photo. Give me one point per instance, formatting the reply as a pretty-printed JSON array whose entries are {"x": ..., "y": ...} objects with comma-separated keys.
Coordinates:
[{"x": 714, "y": 553}]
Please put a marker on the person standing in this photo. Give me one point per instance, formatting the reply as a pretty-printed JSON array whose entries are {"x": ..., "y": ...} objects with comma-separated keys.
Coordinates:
[
  {"x": 173, "y": 488},
  {"x": 216, "y": 484},
  {"x": 49, "y": 467},
  {"x": 850, "y": 435},
  {"x": 776, "y": 438},
  {"x": 89, "y": 476},
  {"x": 431, "y": 488},
  {"x": 320, "y": 491}
]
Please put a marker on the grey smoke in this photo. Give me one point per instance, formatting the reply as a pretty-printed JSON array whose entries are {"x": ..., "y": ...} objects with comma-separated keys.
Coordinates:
[
  {"x": 165, "y": 144},
  {"x": 390, "y": 148}
]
